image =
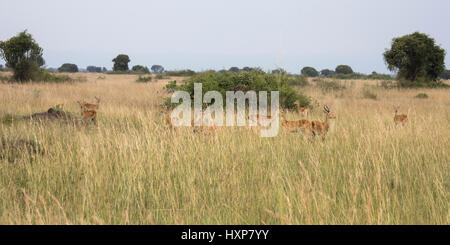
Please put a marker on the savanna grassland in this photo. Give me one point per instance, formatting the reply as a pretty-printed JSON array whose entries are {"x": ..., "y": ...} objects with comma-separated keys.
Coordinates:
[{"x": 131, "y": 169}]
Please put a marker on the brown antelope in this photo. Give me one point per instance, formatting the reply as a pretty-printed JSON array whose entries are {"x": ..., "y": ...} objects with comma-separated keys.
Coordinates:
[
  {"x": 88, "y": 106},
  {"x": 321, "y": 128},
  {"x": 89, "y": 115},
  {"x": 89, "y": 111},
  {"x": 303, "y": 111},
  {"x": 303, "y": 125},
  {"x": 399, "y": 118}
]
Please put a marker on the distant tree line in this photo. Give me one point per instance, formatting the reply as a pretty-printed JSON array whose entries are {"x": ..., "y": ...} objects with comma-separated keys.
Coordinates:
[{"x": 416, "y": 59}]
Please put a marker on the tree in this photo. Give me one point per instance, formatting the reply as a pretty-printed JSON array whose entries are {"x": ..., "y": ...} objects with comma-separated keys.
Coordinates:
[
  {"x": 104, "y": 69},
  {"x": 23, "y": 55},
  {"x": 1, "y": 67},
  {"x": 234, "y": 69},
  {"x": 343, "y": 69},
  {"x": 415, "y": 57},
  {"x": 327, "y": 72},
  {"x": 140, "y": 69},
  {"x": 310, "y": 71},
  {"x": 121, "y": 62},
  {"x": 67, "y": 67},
  {"x": 94, "y": 69},
  {"x": 445, "y": 74},
  {"x": 157, "y": 69}
]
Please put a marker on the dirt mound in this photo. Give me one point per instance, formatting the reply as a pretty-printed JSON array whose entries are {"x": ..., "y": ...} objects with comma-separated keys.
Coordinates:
[{"x": 52, "y": 114}]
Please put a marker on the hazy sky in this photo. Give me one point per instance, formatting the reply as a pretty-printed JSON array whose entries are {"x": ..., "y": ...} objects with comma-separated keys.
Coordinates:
[{"x": 212, "y": 34}]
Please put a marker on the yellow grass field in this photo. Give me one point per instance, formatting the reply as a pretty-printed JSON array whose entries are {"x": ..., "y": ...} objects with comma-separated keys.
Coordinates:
[{"x": 132, "y": 169}]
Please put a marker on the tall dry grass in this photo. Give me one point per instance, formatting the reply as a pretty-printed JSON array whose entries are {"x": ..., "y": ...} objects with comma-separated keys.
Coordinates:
[{"x": 132, "y": 170}]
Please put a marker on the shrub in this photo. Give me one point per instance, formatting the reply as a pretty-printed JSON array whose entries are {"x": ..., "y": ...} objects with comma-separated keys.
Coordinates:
[
  {"x": 140, "y": 69},
  {"x": 310, "y": 72},
  {"x": 244, "y": 81},
  {"x": 421, "y": 96},
  {"x": 144, "y": 79}
]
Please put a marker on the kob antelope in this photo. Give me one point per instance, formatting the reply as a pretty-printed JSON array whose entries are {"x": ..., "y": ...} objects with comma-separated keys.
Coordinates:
[
  {"x": 399, "y": 118},
  {"x": 89, "y": 111},
  {"x": 303, "y": 111},
  {"x": 321, "y": 128},
  {"x": 303, "y": 125}
]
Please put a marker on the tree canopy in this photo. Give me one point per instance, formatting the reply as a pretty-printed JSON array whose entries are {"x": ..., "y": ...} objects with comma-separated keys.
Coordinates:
[
  {"x": 415, "y": 57},
  {"x": 121, "y": 62},
  {"x": 140, "y": 69},
  {"x": 343, "y": 69},
  {"x": 157, "y": 69},
  {"x": 23, "y": 55},
  {"x": 67, "y": 67},
  {"x": 309, "y": 71}
]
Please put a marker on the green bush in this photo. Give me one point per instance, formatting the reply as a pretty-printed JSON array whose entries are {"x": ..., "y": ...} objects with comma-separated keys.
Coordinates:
[
  {"x": 171, "y": 86},
  {"x": 140, "y": 69},
  {"x": 244, "y": 81},
  {"x": 421, "y": 96},
  {"x": 144, "y": 79}
]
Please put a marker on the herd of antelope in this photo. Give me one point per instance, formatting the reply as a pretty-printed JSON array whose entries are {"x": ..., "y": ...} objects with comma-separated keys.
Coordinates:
[{"x": 310, "y": 128}]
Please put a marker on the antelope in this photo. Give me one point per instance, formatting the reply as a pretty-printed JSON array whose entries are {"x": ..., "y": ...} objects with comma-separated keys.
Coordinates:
[
  {"x": 399, "y": 118},
  {"x": 89, "y": 111},
  {"x": 321, "y": 128},
  {"x": 304, "y": 125},
  {"x": 303, "y": 111},
  {"x": 88, "y": 106},
  {"x": 89, "y": 115}
]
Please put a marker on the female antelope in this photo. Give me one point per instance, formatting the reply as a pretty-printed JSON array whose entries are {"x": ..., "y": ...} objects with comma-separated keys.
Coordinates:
[
  {"x": 321, "y": 128},
  {"x": 303, "y": 125},
  {"x": 399, "y": 118},
  {"x": 89, "y": 111}
]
